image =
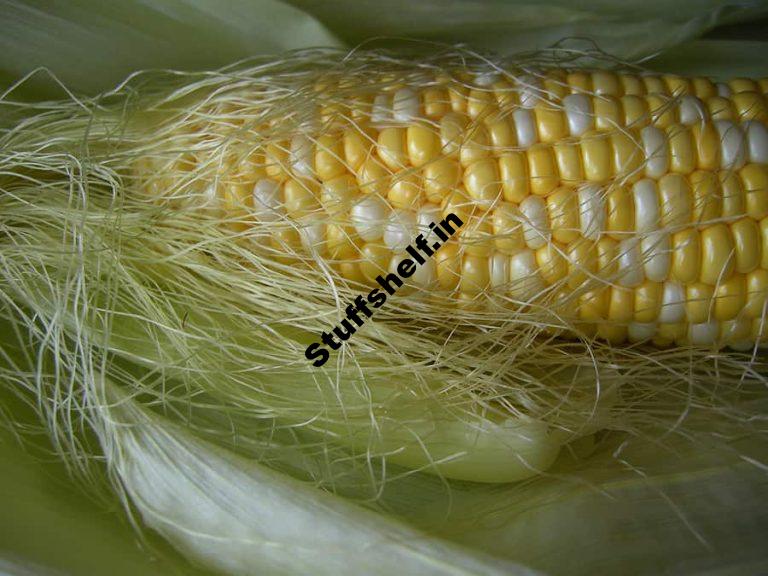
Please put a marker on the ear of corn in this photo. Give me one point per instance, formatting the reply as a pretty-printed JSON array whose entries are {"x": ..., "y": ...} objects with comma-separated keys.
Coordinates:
[{"x": 643, "y": 199}]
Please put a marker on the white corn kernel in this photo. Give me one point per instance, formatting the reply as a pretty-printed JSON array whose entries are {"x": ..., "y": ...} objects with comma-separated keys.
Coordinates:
[
  {"x": 733, "y": 153},
  {"x": 656, "y": 149},
  {"x": 381, "y": 111},
  {"x": 399, "y": 230},
  {"x": 641, "y": 331},
  {"x": 405, "y": 105},
  {"x": 704, "y": 334},
  {"x": 647, "y": 211},
  {"x": 672, "y": 303},
  {"x": 267, "y": 205},
  {"x": 498, "y": 265},
  {"x": 369, "y": 217},
  {"x": 723, "y": 90},
  {"x": 629, "y": 265},
  {"x": 757, "y": 141},
  {"x": 536, "y": 230},
  {"x": 692, "y": 110},
  {"x": 591, "y": 212},
  {"x": 525, "y": 281},
  {"x": 656, "y": 248},
  {"x": 301, "y": 156},
  {"x": 525, "y": 127},
  {"x": 578, "y": 110}
]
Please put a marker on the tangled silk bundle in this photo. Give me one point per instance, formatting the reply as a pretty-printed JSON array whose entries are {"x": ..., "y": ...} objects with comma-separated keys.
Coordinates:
[{"x": 170, "y": 249}]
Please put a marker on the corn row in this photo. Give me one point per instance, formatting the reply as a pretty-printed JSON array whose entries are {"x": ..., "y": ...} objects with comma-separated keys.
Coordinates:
[{"x": 640, "y": 200}]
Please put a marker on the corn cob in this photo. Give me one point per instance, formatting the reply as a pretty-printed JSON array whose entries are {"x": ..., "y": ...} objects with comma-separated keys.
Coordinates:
[{"x": 637, "y": 202}]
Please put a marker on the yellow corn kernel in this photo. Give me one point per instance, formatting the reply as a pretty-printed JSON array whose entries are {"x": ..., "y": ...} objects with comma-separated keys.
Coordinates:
[
  {"x": 286, "y": 239},
  {"x": 513, "y": 171},
  {"x": 563, "y": 209},
  {"x": 582, "y": 262},
  {"x": 507, "y": 228},
  {"x": 505, "y": 94},
  {"x": 707, "y": 198},
  {"x": 762, "y": 84},
  {"x": 440, "y": 177},
  {"x": 734, "y": 199},
  {"x": 329, "y": 157},
  {"x": 579, "y": 82},
  {"x": 631, "y": 85},
  {"x": 555, "y": 82},
  {"x": 550, "y": 122},
  {"x": 628, "y": 156},
  {"x": 612, "y": 333},
  {"x": 553, "y": 266},
  {"x": 682, "y": 156},
  {"x": 648, "y": 301},
  {"x": 453, "y": 128},
  {"x": 336, "y": 195},
  {"x": 706, "y": 142},
  {"x": 481, "y": 180},
  {"x": 301, "y": 197},
  {"x": 594, "y": 305},
  {"x": 720, "y": 108},
  {"x": 662, "y": 110},
  {"x": 357, "y": 147},
  {"x": 757, "y": 293},
  {"x": 686, "y": 256},
  {"x": 730, "y": 298},
  {"x": 677, "y": 85},
  {"x": 635, "y": 109},
  {"x": 674, "y": 200},
  {"x": 480, "y": 103},
  {"x": 621, "y": 304},
  {"x": 476, "y": 145},
  {"x": 373, "y": 177},
  {"x": 608, "y": 112},
  {"x": 596, "y": 154},
  {"x": 476, "y": 236},
  {"x": 669, "y": 334},
  {"x": 742, "y": 85},
  {"x": 759, "y": 331},
  {"x": 754, "y": 178},
  {"x": 501, "y": 133},
  {"x": 277, "y": 160},
  {"x": 391, "y": 148},
  {"x": 606, "y": 83},
  {"x": 448, "y": 265},
  {"x": 351, "y": 272},
  {"x": 457, "y": 94},
  {"x": 568, "y": 159},
  {"x": 717, "y": 261},
  {"x": 541, "y": 169},
  {"x": 736, "y": 332},
  {"x": 341, "y": 242},
  {"x": 435, "y": 103},
  {"x": 764, "y": 243},
  {"x": 698, "y": 302},
  {"x": 746, "y": 240},
  {"x": 621, "y": 212},
  {"x": 423, "y": 144},
  {"x": 607, "y": 258},
  {"x": 407, "y": 191},
  {"x": 458, "y": 202},
  {"x": 654, "y": 85},
  {"x": 750, "y": 106},
  {"x": 703, "y": 88},
  {"x": 374, "y": 260}
]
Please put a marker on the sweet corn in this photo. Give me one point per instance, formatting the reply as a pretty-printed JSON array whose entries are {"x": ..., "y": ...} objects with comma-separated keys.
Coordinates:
[{"x": 646, "y": 194}]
